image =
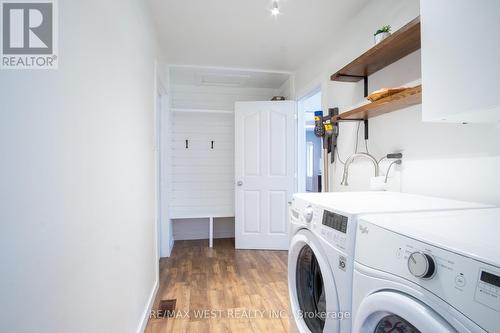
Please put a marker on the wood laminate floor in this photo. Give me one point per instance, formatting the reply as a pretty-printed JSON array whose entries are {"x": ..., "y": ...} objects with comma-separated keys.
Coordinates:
[{"x": 222, "y": 289}]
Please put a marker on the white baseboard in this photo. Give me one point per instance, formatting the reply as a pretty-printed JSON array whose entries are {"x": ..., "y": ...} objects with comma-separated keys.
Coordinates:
[{"x": 149, "y": 307}]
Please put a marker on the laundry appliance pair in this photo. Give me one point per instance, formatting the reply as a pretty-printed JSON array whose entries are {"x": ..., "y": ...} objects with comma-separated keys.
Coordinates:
[{"x": 321, "y": 261}]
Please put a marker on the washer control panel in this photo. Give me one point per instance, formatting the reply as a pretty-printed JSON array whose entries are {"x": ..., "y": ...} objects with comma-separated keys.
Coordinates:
[
  {"x": 335, "y": 228},
  {"x": 335, "y": 221},
  {"x": 488, "y": 289}
]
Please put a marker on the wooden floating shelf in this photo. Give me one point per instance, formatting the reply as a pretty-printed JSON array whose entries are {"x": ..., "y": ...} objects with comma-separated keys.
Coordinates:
[
  {"x": 403, "y": 99},
  {"x": 398, "y": 45}
]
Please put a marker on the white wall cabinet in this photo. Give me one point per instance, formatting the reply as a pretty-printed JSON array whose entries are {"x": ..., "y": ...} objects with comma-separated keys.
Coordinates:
[{"x": 460, "y": 60}]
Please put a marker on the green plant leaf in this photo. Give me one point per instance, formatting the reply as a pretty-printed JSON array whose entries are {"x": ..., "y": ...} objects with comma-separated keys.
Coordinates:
[{"x": 385, "y": 28}]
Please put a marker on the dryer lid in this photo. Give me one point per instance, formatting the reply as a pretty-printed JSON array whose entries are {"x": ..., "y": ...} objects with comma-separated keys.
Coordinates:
[
  {"x": 354, "y": 203},
  {"x": 471, "y": 233}
]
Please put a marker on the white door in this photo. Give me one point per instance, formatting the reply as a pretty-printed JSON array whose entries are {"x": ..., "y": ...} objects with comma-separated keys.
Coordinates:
[{"x": 264, "y": 172}]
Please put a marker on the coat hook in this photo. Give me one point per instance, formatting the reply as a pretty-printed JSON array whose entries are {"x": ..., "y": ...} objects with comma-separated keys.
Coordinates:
[
  {"x": 212, "y": 144},
  {"x": 187, "y": 144}
]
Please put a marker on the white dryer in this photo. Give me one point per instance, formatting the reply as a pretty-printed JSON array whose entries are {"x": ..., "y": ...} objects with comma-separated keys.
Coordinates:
[
  {"x": 321, "y": 252},
  {"x": 431, "y": 272}
]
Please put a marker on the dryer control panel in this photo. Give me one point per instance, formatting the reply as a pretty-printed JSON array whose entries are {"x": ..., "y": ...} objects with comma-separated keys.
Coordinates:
[{"x": 469, "y": 285}]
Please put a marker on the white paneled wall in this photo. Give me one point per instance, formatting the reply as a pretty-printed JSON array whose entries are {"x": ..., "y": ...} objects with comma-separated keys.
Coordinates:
[
  {"x": 202, "y": 176},
  {"x": 217, "y": 98}
]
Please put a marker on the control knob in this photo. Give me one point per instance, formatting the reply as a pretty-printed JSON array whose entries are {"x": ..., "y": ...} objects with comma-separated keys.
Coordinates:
[{"x": 421, "y": 265}]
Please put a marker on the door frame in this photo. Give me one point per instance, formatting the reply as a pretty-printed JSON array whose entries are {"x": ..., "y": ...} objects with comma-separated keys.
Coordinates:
[
  {"x": 301, "y": 138},
  {"x": 163, "y": 241}
]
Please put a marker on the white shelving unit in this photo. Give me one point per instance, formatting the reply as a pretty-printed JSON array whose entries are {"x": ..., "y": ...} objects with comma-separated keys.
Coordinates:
[{"x": 202, "y": 165}]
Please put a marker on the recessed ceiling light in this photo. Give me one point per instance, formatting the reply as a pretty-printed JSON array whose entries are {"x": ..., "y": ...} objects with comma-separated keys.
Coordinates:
[{"x": 276, "y": 10}]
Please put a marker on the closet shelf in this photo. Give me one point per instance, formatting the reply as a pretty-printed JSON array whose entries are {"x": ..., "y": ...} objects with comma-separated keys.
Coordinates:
[
  {"x": 403, "y": 99},
  {"x": 398, "y": 45}
]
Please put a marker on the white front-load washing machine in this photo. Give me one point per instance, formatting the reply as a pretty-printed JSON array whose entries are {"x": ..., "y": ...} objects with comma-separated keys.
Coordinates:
[
  {"x": 432, "y": 272},
  {"x": 321, "y": 252}
]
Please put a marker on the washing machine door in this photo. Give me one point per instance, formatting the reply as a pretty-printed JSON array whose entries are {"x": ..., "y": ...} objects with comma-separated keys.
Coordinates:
[
  {"x": 391, "y": 311},
  {"x": 311, "y": 285}
]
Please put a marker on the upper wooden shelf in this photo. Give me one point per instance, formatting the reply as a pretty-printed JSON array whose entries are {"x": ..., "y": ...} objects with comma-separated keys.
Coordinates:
[
  {"x": 403, "y": 99},
  {"x": 398, "y": 45}
]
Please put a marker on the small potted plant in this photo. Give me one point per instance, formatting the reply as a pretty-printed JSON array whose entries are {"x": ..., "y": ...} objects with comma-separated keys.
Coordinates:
[{"x": 382, "y": 33}]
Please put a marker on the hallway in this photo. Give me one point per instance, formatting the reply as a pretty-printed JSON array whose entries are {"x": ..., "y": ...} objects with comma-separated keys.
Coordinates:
[{"x": 246, "y": 291}]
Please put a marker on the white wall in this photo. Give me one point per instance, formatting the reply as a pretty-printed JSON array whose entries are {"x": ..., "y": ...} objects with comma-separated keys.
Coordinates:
[
  {"x": 77, "y": 175},
  {"x": 448, "y": 160},
  {"x": 287, "y": 89}
]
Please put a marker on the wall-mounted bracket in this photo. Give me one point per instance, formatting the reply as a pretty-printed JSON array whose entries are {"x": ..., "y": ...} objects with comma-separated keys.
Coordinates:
[
  {"x": 365, "y": 122},
  {"x": 365, "y": 81}
]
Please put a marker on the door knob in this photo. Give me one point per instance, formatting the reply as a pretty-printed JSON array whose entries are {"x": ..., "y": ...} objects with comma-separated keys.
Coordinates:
[{"x": 239, "y": 183}]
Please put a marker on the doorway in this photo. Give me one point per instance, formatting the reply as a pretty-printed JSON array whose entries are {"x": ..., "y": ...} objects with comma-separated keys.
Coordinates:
[{"x": 310, "y": 156}]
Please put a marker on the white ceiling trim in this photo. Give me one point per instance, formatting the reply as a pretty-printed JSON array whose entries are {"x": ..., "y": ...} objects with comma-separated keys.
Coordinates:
[{"x": 242, "y": 69}]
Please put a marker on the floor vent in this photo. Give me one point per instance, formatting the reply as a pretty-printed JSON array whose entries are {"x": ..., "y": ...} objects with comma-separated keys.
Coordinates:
[{"x": 167, "y": 307}]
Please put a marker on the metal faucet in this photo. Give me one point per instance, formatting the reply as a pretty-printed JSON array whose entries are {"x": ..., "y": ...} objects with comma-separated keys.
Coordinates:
[{"x": 349, "y": 161}]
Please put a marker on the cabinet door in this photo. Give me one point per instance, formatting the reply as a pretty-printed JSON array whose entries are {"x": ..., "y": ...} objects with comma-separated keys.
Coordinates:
[{"x": 460, "y": 60}]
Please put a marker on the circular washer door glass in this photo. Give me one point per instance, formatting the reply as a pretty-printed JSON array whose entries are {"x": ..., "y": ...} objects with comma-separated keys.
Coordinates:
[
  {"x": 395, "y": 324},
  {"x": 310, "y": 290}
]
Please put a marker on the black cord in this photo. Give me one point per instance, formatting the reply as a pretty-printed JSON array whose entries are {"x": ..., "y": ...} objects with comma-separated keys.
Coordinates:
[
  {"x": 357, "y": 138},
  {"x": 356, "y": 147},
  {"x": 337, "y": 149}
]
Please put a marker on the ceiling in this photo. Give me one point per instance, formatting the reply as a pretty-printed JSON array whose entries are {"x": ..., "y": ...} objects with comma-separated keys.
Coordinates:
[
  {"x": 244, "y": 34},
  {"x": 200, "y": 76}
]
